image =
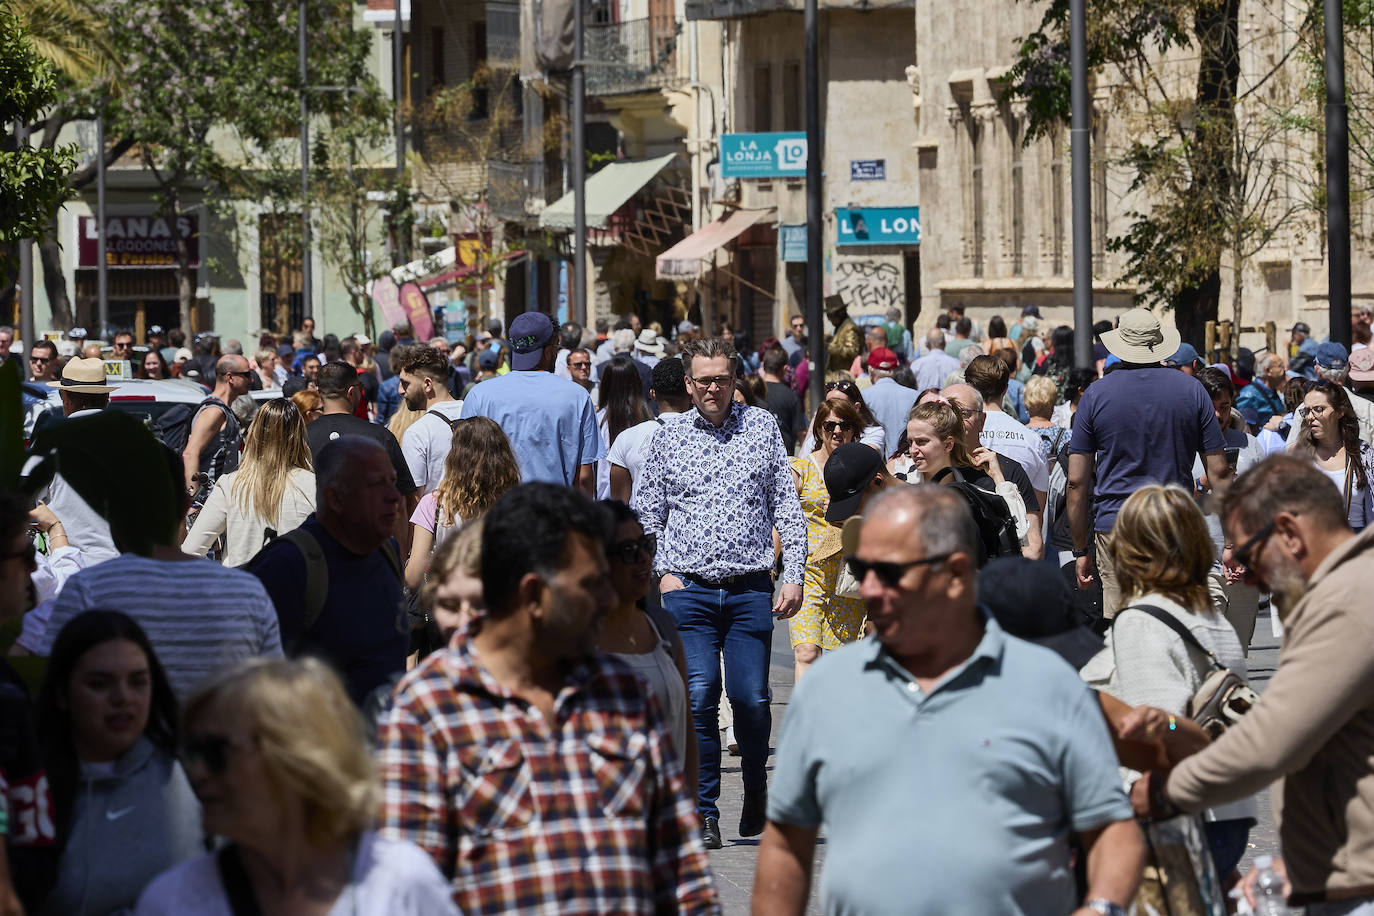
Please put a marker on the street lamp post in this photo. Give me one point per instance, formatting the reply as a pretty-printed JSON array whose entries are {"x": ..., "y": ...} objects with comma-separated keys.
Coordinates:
[
  {"x": 102, "y": 269},
  {"x": 1080, "y": 140},
  {"x": 579, "y": 169},
  {"x": 1337, "y": 180},
  {"x": 815, "y": 315},
  {"x": 306, "y": 311}
]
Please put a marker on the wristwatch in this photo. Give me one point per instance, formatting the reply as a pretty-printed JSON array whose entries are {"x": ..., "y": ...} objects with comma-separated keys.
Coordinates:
[
  {"x": 1080, "y": 553},
  {"x": 1105, "y": 907}
]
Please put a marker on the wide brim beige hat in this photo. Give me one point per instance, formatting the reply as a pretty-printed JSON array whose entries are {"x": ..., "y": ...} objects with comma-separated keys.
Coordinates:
[
  {"x": 84, "y": 376},
  {"x": 1140, "y": 338}
]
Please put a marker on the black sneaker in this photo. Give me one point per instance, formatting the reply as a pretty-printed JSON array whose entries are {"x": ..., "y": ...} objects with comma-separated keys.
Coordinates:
[
  {"x": 710, "y": 832},
  {"x": 755, "y": 813}
]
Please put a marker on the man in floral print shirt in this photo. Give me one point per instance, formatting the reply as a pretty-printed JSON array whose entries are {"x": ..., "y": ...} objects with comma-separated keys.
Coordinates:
[{"x": 714, "y": 487}]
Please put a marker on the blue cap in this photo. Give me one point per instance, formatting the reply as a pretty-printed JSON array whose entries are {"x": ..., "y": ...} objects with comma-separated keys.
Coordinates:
[
  {"x": 489, "y": 358},
  {"x": 1251, "y": 415},
  {"x": 1332, "y": 355},
  {"x": 1185, "y": 356}
]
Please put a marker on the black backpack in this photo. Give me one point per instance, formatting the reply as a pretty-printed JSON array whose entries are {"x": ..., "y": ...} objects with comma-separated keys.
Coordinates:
[{"x": 996, "y": 527}]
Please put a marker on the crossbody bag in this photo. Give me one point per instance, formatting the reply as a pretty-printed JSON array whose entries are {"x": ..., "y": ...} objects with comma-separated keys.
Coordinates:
[{"x": 1224, "y": 696}]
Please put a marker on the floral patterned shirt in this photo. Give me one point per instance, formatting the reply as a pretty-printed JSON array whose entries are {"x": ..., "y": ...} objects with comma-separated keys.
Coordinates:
[{"x": 713, "y": 495}]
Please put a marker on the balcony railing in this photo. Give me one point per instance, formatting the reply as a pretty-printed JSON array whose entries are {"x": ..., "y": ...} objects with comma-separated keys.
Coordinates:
[{"x": 625, "y": 57}]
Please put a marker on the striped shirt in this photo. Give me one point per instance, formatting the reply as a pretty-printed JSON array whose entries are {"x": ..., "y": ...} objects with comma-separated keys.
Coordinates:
[
  {"x": 586, "y": 815},
  {"x": 199, "y": 615}
]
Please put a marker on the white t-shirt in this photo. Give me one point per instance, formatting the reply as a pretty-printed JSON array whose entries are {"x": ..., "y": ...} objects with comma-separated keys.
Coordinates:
[
  {"x": 426, "y": 444},
  {"x": 1007, "y": 436},
  {"x": 389, "y": 876},
  {"x": 631, "y": 448}
]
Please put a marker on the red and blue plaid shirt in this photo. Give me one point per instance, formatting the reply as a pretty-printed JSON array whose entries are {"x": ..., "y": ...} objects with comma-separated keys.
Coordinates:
[{"x": 589, "y": 814}]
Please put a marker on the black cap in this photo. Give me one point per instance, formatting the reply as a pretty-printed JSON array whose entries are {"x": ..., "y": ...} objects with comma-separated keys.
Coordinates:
[
  {"x": 848, "y": 472},
  {"x": 530, "y": 333},
  {"x": 1301, "y": 326},
  {"x": 1032, "y": 601}
]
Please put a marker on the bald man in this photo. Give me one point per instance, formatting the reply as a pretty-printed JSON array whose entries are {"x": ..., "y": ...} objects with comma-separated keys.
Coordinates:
[{"x": 212, "y": 448}]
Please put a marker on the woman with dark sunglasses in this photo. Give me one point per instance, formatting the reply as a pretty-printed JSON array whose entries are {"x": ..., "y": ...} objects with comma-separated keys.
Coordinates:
[
  {"x": 277, "y": 755},
  {"x": 107, "y": 728},
  {"x": 643, "y": 635},
  {"x": 826, "y": 620},
  {"x": 871, "y": 433}
]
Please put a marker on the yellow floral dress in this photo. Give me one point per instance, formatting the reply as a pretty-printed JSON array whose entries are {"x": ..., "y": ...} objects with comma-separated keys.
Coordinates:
[{"x": 824, "y": 620}]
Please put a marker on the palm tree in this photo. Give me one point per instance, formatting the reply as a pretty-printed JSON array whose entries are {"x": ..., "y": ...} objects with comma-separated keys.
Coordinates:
[{"x": 71, "y": 34}]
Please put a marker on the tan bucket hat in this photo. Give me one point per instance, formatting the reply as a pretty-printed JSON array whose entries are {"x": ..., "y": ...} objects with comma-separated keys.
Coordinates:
[
  {"x": 1140, "y": 338},
  {"x": 85, "y": 376}
]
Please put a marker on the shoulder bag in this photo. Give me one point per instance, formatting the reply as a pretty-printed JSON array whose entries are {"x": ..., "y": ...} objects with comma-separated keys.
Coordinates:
[{"x": 1224, "y": 695}]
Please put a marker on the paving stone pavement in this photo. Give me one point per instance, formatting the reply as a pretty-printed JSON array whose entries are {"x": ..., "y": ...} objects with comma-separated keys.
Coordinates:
[{"x": 734, "y": 864}]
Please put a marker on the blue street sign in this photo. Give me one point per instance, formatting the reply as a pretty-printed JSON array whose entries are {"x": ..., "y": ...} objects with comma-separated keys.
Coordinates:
[
  {"x": 868, "y": 170},
  {"x": 792, "y": 241},
  {"x": 878, "y": 226},
  {"x": 770, "y": 155}
]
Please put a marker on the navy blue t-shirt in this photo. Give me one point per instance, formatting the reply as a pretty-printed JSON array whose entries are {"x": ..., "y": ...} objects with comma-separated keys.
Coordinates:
[
  {"x": 363, "y": 630},
  {"x": 1145, "y": 426}
]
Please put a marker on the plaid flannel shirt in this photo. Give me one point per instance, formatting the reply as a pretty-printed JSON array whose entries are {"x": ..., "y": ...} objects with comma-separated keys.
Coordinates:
[{"x": 589, "y": 815}]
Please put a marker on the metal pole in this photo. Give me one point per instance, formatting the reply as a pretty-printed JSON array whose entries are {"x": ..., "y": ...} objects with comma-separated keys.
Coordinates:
[
  {"x": 815, "y": 314},
  {"x": 26, "y": 331},
  {"x": 1337, "y": 180},
  {"x": 579, "y": 170},
  {"x": 398, "y": 78},
  {"x": 1080, "y": 142},
  {"x": 306, "y": 311},
  {"x": 102, "y": 269}
]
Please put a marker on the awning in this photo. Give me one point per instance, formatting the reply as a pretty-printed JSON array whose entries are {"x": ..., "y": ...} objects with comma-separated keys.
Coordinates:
[
  {"x": 683, "y": 260},
  {"x": 606, "y": 192},
  {"x": 464, "y": 271},
  {"x": 445, "y": 257}
]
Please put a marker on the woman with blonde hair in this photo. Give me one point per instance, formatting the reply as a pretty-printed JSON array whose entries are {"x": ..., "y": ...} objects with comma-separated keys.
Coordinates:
[
  {"x": 453, "y": 589},
  {"x": 265, "y": 364},
  {"x": 1162, "y": 552},
  {"x": 404, "y": 417},
  {"x": 826, "y": 620},
  {"x": 278, "y": 756},
  {"x": 272, "y": 492},
  {"x": 480, "y": 468}
]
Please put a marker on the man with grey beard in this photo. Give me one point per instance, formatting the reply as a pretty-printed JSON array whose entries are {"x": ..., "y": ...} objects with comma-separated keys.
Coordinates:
[{"x": 1286, "y": 526}]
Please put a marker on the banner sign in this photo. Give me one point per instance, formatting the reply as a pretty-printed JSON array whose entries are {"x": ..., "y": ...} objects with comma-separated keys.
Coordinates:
[
  {"x": 769, "y": 155},
  {"x": 417, "y": 310},
  {"x": 792, "y": 241},
  {"x": 387, "y": 295},
  {"x": 878, "y": 225},
  {"x": 138, "y": 241}
]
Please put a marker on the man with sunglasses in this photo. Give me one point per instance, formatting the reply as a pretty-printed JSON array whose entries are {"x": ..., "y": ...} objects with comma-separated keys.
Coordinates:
[
  {"x": 715, "y": 486},
  {"x": 212, "y": 447},
  {"x": 945, "y": 760},
  {"x": 43, "y": 361},
  {"x": 1315, "y": 728}
]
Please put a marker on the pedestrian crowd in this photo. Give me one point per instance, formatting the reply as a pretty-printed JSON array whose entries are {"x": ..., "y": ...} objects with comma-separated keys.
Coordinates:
[{"x": 445, "y": 630}]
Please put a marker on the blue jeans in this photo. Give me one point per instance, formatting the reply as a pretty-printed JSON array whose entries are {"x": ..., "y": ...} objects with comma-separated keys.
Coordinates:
[{"x": 738, "y": 619}]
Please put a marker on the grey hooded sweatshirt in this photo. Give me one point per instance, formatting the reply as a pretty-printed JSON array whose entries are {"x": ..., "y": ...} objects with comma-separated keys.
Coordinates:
[{"x": 131, "y": 821}]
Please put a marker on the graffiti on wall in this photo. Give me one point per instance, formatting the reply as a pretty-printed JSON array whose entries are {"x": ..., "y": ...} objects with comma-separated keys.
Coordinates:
[{"x": 870, "y": 287}]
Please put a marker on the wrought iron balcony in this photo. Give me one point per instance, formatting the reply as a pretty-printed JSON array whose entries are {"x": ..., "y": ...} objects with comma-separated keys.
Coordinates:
[{"x": 632, "y": 56}]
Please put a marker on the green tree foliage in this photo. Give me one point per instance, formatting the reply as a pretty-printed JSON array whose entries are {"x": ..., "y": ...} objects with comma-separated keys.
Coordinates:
[{"x": 32, "y": 181}]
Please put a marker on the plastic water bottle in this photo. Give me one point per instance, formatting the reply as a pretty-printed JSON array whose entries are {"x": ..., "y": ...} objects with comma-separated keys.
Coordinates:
[{"x": 1269, "y": 897}]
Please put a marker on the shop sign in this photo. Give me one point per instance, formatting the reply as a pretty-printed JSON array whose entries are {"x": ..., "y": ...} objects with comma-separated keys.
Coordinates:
[
  {"x": 878, "y": 226},
  {"x": 767, "y": 155},
  {"x": 140, "y": 240},
  {"x": 792, "y": 242}
]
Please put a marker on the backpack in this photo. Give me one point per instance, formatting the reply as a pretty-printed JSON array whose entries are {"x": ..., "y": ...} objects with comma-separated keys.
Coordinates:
[
  {"x": 172, "y": 427},
  {"x": 996, "y": 527},
  {"x": 895, "y": 332},
  {"x": 1056, "y": 497},
  {"x": 317, "y": 577},
  {"x": 452, "y": 423}
]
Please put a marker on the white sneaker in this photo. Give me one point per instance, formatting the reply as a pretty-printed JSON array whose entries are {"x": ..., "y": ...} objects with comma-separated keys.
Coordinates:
[{"x": 731, "y": 744}]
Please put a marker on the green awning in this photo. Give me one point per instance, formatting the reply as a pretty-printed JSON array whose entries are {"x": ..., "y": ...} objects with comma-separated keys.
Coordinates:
[{"x": 606, "y": 192}]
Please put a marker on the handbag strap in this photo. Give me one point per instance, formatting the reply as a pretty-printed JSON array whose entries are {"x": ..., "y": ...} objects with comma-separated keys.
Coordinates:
[
  {"x": 1173, "y": 623},
  {"x": 1349, "y": 477},
  {"x": 237, "y": 886}
]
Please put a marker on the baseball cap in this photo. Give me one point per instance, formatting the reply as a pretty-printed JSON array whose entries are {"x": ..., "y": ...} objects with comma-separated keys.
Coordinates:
[
  {"x": 1332, "y": 355},
  {"x": 1030, "y": 310},
  {"x": 530, "y": 333},
  {"x": 1186, "y": 355},
  {"x": 685, "y": 327},
  {"x": 882, "y": 358},
  {"x": 848, "y": 472},
  {"x": 1300, "y": 326},
  {"x": 489, "y": 359},
  {"x": 1362, "y": 365}
]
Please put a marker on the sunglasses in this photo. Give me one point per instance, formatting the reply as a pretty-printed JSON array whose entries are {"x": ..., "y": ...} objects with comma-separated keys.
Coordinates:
[
  {"x": 889, "y": 574},
  {"x": 245, "y": 373},
  {"x": 211, "y": 751},
  {"x": 848, "y": 388},
  {"x": 579, "y": 365},
  {"x": 40, "y": 359},
  {"x": 1243, "y": 554},
  {"x": 28, "y": 553},
  {"x": 835, "y": 426},
  {"x": 629, "y": 552}
]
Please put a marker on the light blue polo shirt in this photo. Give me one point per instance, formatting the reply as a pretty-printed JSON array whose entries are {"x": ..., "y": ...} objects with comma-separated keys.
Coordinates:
[
  {"x": 957, "y": 802},
  {"x": 550, "y": 422}
]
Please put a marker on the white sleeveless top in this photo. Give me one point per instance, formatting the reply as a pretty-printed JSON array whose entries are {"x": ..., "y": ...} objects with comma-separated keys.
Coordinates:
[{"x": 657, "y": 668}]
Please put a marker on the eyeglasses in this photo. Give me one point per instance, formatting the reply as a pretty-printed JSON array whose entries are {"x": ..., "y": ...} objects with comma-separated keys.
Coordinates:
[
  {"x": 835, "y": 426},
  {"x": 629, "y": 552},
  {"x": 889, "y": 574},
  {"x": 579, "y": 365},
  {"x": 714, "y": 381},
  {"x": 1242, "y": 554},
  {"x": 212, "y": 751}
]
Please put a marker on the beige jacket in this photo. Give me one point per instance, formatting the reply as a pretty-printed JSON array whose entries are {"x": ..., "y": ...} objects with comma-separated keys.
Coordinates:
[{"x": 1314, "y": 729}]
